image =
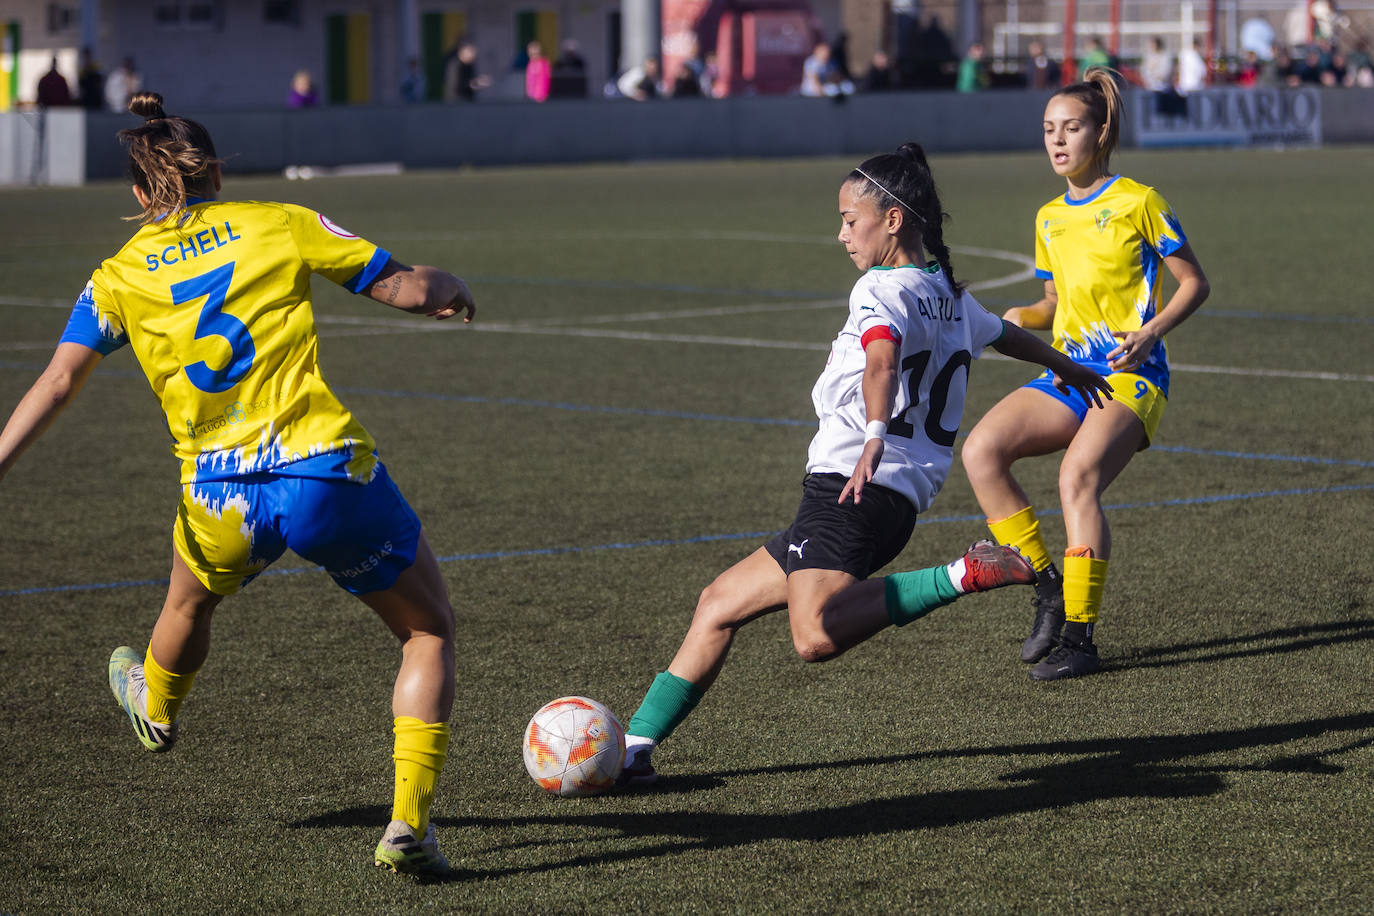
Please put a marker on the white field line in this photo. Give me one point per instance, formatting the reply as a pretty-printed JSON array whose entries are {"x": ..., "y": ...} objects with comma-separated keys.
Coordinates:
[{"x": 348, "y": 326}]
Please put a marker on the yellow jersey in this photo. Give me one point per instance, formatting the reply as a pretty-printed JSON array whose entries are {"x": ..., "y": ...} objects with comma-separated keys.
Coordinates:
[
  {"x": 1104, "y": 254},
  {"x": 216, "y": 306}
]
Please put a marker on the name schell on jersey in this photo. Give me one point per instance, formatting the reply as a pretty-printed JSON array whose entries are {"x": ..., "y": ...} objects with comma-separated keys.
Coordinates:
[
  {"x": 202, "y": 242},
  {"x": 939, "y": 309}
]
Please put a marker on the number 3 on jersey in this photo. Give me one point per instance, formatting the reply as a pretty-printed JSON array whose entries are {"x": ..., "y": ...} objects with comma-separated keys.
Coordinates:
[
  {"x": 915, "y": 367},
  {"x": 214, "y": 322}
]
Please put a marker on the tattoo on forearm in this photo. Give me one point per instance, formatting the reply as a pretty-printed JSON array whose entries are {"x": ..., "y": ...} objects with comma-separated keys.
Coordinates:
[{"x": 395, "y": 283}]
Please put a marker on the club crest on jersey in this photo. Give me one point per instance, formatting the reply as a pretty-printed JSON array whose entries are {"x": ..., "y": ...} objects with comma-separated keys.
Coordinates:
[
  {"x": 1102, "y": 218},
  {"x": 336, "y": 229}
]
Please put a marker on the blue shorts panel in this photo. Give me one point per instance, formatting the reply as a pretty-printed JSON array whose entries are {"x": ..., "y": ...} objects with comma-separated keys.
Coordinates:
[
  {"x": 1135, "y": 392},
  {"x": 1072, "y": 399},
  {"x": 229, "y": 531}
]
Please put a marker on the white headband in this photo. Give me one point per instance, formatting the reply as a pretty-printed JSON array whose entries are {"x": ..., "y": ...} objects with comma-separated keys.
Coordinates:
[{"x": 883, "y": 188}]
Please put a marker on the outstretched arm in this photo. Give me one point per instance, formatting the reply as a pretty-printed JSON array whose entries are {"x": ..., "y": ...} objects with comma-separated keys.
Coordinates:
[
  {"x": 422, "y": 290},
  {"x": 71, "y": 365},
  {"x": 880, "y": 395},
  {"x": 1023, "y": 345}
]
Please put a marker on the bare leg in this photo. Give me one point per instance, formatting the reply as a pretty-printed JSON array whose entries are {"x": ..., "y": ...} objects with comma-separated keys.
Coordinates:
[
  {"x": 746, "y": 591},
  {"x": 181, "y": 636},
  {"x": 1023, "y": 424},
  {"x": 831, "y": 612},
  {"x": 1105, "y": 444},
  {"x": 416, "y": 608}
]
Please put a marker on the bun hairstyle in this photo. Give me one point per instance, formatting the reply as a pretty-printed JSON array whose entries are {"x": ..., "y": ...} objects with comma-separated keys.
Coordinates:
[
  {"x": 903, "y": 179},
  {"x": 170, "y": 158},
  {"x": 1100, "y": 95}
]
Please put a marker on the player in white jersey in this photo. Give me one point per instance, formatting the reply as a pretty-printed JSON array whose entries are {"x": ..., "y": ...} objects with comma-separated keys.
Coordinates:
[{"x": 889, "y": 404}]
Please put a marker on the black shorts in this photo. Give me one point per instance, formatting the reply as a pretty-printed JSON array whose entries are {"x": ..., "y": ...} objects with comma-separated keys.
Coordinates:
[{"x": 859, "y": 540}]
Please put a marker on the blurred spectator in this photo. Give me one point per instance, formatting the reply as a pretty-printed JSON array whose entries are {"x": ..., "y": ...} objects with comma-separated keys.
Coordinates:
[
  {"x": 821, "y": 77},
  {"x": 1096, "y": 55},
  {"x": 839, "y": 54},
  {"x": 53, "y": 91},
  {"x": 1041, "y": 71},
  {"x": 121, "y": 85},
  {"x": 1309, "y": 69},
  {"x": 90, "y": 82},
  {"x": 462, "y": 82},
  {"x": 640, "y": 83},
  {"x": 569, "y": 79},
  {"x": 1285, "y": 71},
  {"x": 686, "y": 84},
  {"x": 879, "y": 76},
  {"x": 538, "y": 73},
  {"x": 1333, "y": 74},
  {"x": 1157, "y": 67},
  {"x": 711, "y": 86},
  {"x": 1192, "y": 69},
  {"x": 1248, "y": 74},
  {"x": 1359, "y": 66},
  {"x": 302, "y": 94},
  {"x": 413, "y": 85},
  {"x": 922, "y": 63},
  {"x": 973, "y": 71}
]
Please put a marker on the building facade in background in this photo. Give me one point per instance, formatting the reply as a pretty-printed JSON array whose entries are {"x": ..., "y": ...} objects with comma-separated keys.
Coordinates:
[{"x": 247, "y": 53}]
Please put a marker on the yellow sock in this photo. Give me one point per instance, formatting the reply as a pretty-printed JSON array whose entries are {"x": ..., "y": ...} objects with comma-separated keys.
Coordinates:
[
  {"x": 1022, "y": 531},
  {"x": 419, "y": 755},
  {"x": 165, "y": 689},
  {"x": 1085, "y": 578}
]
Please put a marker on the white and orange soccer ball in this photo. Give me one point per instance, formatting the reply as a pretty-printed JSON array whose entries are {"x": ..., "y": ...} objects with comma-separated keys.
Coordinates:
[{"x": 574, "y": 746}]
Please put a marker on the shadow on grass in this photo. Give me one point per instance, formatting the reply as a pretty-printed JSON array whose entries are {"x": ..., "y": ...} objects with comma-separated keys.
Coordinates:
[
  {"x": 1152, "y": 766},
  {"x": 1287, "y": 639}
]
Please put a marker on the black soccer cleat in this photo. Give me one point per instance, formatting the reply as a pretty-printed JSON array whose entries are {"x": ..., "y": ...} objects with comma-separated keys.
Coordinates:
[
  {"x": 1069, "y": 659},
  {"x": 1049, "y": 616}
]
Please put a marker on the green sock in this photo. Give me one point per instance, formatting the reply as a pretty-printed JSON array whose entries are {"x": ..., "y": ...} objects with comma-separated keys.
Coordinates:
[
  {"x": 670, "y": 699},
  {"x": 912, "y": 595}
]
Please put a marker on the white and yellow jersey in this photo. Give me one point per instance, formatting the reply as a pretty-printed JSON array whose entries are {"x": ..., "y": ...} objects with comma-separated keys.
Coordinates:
[
  {"x": 1104, "y": 254},
  {"x": 216, "y": 306}
]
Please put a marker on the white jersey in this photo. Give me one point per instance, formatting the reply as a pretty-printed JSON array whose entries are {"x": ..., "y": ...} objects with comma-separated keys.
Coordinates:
[{"x": 937, "y": 334}]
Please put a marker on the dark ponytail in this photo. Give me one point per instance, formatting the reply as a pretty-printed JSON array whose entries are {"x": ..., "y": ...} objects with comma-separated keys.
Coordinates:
[
  {"x": 169, "y": 158},
  {"x": 903, "y": 179}
]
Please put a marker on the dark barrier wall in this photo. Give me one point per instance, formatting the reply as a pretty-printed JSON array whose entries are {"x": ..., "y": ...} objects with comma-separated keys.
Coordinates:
[{"x": 498, "y": 133}]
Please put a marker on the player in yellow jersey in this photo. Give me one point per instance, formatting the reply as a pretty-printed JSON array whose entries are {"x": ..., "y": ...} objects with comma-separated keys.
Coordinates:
[
  {"x": 1099, "y": 248},
  {"x": 214, "y": 300}
]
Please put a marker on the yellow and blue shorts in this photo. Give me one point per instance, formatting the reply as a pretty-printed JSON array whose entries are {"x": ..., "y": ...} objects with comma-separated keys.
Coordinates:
[
  {"x": 228, "y": 531},
  {"x": 1142, "y": 396}
]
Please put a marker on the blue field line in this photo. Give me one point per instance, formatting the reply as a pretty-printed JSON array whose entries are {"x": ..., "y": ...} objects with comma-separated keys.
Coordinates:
[
  {"x": 1283, "y": 316},
  {"x": 713, "y": 538},
  {"x": 1261, "y": 456},
  {"x": 719, "y": 418}
]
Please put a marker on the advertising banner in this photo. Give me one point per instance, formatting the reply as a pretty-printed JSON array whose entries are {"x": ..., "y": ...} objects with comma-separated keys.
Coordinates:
[{"x": 1229, "y": 117}]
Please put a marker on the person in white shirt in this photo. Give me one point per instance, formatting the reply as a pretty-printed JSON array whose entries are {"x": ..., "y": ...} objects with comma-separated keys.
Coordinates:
[
  {"x": 1192, "y": 69},
  {"x": 1157, "y": 67},
  {"x": 889, "y": 403}
]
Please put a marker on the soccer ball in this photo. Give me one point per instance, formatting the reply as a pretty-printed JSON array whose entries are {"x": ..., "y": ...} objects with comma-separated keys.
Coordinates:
[{"x": 574, "y": 746}]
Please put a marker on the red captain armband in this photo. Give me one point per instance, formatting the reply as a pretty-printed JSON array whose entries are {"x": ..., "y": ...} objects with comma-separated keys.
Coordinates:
[{"x": 881, "y": 332}]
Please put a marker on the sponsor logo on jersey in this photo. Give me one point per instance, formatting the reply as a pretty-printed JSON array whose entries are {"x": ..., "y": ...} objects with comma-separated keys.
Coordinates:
[{"x": 336, "y": 229}]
